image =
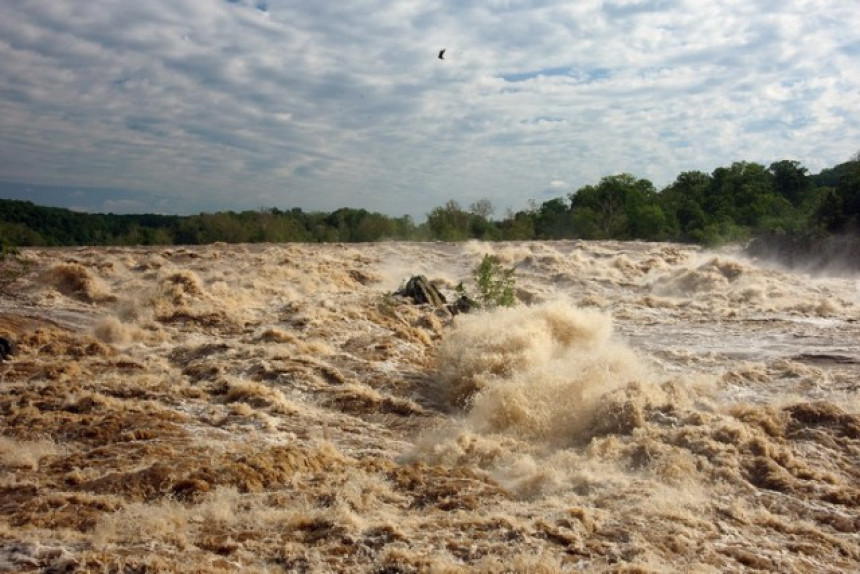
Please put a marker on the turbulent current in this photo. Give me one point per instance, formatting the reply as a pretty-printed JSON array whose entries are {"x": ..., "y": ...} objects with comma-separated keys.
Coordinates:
[{"x": 277, "y": 408}]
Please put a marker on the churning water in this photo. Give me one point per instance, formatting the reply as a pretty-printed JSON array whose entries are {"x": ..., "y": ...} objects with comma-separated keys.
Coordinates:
[{"x": 266, "y": 408}]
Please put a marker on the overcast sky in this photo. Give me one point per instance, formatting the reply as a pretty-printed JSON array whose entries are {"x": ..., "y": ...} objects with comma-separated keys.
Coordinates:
[{"x": 183, "y": 106}]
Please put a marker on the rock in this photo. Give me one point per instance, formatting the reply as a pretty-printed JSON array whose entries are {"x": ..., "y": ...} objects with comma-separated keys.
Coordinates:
[
  {"x": 463, "y": 304},
  {"x": 422, "y": 291},
  {"x": 7, "y": 348}
]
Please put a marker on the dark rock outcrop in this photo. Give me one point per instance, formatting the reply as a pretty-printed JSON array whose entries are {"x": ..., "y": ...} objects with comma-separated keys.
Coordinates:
[
  {"x": 422, "y": 291},
  {"x": 7, "y": 348}
]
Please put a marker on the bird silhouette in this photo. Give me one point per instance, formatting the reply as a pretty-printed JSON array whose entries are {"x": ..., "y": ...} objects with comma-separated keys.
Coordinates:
[{"x": 442, "y": 54}]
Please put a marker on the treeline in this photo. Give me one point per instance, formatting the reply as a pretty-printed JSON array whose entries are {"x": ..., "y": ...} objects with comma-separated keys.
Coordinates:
[
  {"x": 732, "y": 203},
  {"x": 23, "y": 223}
]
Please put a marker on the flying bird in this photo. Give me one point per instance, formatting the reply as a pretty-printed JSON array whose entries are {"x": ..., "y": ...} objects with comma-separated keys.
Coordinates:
[{"x": 442, "y": 54}]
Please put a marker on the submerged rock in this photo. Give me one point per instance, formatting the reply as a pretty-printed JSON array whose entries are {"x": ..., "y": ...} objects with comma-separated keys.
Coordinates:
[{"x": 463, "y": 304}]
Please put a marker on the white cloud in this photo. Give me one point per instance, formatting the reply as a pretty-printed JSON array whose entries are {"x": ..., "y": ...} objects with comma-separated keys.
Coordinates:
[{"x": 211, "y": 104}]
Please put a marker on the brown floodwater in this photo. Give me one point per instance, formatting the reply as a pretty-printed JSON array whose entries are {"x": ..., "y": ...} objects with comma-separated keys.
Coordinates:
[{"x": 276, "y": 408}]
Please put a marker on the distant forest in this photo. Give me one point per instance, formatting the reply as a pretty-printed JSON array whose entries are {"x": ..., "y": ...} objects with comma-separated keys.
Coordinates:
[{"x": 734, "y": 203}]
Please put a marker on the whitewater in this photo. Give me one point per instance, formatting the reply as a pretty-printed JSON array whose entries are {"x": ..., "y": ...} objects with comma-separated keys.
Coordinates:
[{"x": 645, "y": 407}]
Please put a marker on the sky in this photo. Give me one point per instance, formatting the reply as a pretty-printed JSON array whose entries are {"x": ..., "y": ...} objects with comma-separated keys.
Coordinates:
[{"x": 189, "y": 106}]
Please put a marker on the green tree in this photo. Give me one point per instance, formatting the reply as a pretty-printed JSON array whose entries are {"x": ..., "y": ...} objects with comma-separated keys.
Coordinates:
[
  {"x": 829, "y": 213},
  {"x": 13, "y": 233},
  {"x": 585, "y": 222},
  {"x": 373, "y": 227},
  {"x": 450, "y": 222},
  {"x": 224, "y": 226},
  {"x": 791, "y": 180},
  {"x": 480, "y": 224},
  {"x": 739, "y": 193},
  {"x": 482, "y": 208},
  {"x": 519, "y": 226},
  {"x": 552, "y": 220},
  {"x": 682, "y": 203},
  {"x": 647, "y": 221},
  {"x": 849, "y": 189},
  {"x": 617, "y": 203},
  {"x": 495, "y": 283}
]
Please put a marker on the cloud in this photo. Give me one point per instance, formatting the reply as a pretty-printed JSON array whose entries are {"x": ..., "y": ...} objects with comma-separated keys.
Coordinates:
[{"x": 209, "y": 104}]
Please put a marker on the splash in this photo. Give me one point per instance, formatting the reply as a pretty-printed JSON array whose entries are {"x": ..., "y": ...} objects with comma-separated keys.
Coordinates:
[
  {"x": 535, "y": 381},
  {"x": 499, "y": 345},
  {"x": 75, "y": 280}
]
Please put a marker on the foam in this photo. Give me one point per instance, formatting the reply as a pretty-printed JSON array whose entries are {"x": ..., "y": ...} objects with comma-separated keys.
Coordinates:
[
  {"x": 26, "y": 454},
  {"x": 75, "y": 280},
  {"x": 112, "y": 330},
  {"x": 489, "y": 347},
  {"x": 268, "y": 407},
  {"x": 537, "y": 386}
]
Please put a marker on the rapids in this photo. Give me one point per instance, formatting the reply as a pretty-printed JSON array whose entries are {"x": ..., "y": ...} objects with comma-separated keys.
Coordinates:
[{"x": 265, "y": 408}]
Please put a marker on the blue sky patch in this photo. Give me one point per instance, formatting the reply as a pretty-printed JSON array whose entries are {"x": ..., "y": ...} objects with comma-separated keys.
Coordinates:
[{"x": 546, "y": 72}]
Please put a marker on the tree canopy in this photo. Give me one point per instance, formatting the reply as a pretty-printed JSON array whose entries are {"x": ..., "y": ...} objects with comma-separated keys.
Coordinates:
[{"x": 734, "y": 202}]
